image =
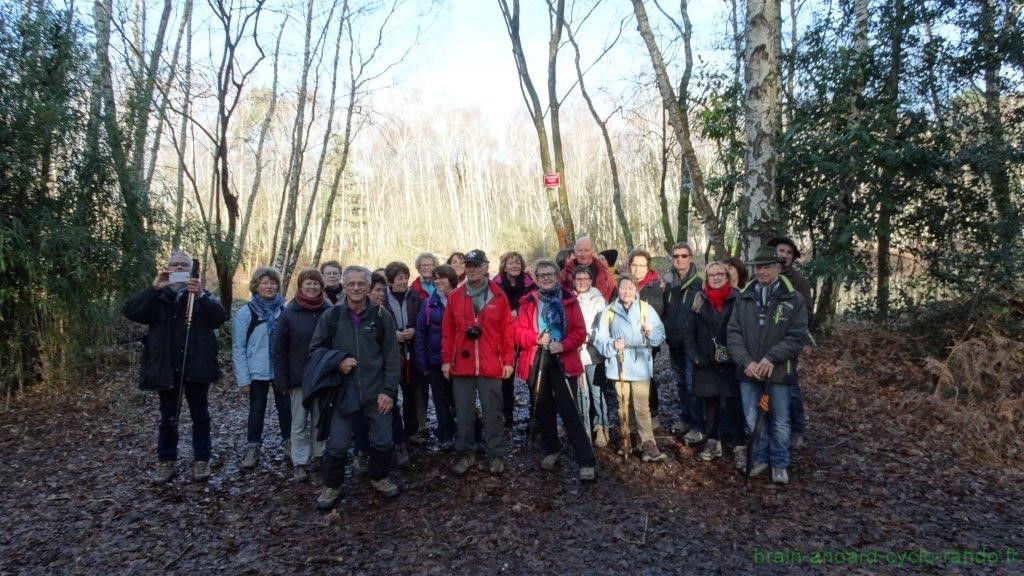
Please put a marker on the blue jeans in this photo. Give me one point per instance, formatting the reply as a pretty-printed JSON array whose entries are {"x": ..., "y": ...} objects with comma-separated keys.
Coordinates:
[
  {"x": 691, "y": 408},
  {"x": 196, "y": 394},
  {"x": 597, "y": 399},
  {"x": 773, "y": 445},
  {"x": 796, "y": 407},
  {"x": 258, "y": 392},
  {"x": 444, "y": 405}
]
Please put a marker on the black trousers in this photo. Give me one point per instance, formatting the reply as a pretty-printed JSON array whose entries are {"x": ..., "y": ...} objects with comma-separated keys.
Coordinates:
[{"x": 558, "y": 395}]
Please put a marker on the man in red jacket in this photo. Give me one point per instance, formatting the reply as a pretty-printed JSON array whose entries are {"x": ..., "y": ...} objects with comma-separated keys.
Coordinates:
[
  {"x": 551, "y": 319},
  {"x": 477, "y": 353},
  {"x": 584, "y": 255}
]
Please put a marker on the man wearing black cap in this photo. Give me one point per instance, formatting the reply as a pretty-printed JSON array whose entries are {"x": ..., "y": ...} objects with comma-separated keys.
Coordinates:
[
  {"x": 477, "y": 353},
  {"x": 767, "y": 330},
  {"x": 788, "y": 254}
]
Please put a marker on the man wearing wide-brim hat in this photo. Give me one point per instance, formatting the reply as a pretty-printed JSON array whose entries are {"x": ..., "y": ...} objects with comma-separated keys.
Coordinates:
[{"x": 767, "y": 330}]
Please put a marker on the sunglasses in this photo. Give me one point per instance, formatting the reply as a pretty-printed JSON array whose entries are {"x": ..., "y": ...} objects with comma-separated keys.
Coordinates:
[{"x": 680, "y": 256}]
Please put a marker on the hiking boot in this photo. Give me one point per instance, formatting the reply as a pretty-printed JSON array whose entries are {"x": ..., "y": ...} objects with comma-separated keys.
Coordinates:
[
  {"x": 712, "y": 450},
  {"x": 385, "y": 486},
  {"x": 739, "y": 455},
  {"x": 463, "y": 464},
  {"x": 300, "y": 474},
  {"x": 780, "y": 476},
  {"x": 587, "y": 474},
  {"x": 796, "y": 442},
  {"x": 758, "y": 469},
  {"x": 328, "y": 498},
  {"x": 419, "y": 438},
  {"x": 694, "y": 437},
  {"x": 201, "y": 471},
  {"x": 252, "y": 456},
  {"x": 401, "y": 456},
  {"x": 287, "y": 448},
  {"x": 360, "y": 464},
  {"x": 680, "y": 427},
  {"x": 165, "y": 470},
  {"x": 600, "y": 437},
  {"x": 497, "y": 466},
  {"x": 549, "y": 462},
  {"x": 651, "y": 452}
]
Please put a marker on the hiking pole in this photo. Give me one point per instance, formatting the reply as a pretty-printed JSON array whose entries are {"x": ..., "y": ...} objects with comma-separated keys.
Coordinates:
[
  {"x": 538, "y": 372},
  {"x": 624, "y": 399},
  {"x": 763, "y": 405},
  {"x": 188, "y": 330}
]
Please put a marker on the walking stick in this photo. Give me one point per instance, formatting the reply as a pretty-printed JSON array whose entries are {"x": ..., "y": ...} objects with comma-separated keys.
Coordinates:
[
  {"x": 763, "y": 405},
  {"x": 538, "y": 372},
  {"x": 188, "y": 330},
  {"x": 625, "y": 397}
]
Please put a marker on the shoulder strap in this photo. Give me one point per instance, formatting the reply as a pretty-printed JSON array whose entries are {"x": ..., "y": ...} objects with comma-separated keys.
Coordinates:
[
  {"x": 698, "y": 301},
  {"x": 643, "y": 312},
  {"x": 254, "y": 321}
]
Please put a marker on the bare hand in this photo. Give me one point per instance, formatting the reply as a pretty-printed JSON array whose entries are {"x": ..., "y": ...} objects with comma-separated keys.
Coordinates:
[
  {"x": 347, "y": 365},
  {"x": 446, "y": 370},
  {"x": 506, "y": 372},
  {"x": 244, "y": 390},
  {"x": 162, "y": 279},
  {"x": 619, "y": 344},
  {"x": 765, "y": 368},
  {"x": 555, "y": 347},
  {"x": 751, "y": 371},
  {"x": 194, "y": 286},
  {"x": 647, "y": 328},
  {"x": 384, "y": 403},
  {"x": 544, "y": 339}
]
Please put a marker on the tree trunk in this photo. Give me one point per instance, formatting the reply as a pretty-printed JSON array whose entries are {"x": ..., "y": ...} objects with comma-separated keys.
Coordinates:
[
  {"x": 758, "y": 209},
  {"x": 680, "y": 123},
  {"x": 887, "y": 203}
]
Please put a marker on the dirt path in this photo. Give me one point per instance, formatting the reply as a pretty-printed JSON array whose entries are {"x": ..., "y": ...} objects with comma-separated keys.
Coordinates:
[{"x": 76, "y": 500}]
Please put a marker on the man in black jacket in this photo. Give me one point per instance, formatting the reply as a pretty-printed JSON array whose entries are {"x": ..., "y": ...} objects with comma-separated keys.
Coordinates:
[
  {"x": 163, "y": 307},
  {"x": 682, "y": 282}
]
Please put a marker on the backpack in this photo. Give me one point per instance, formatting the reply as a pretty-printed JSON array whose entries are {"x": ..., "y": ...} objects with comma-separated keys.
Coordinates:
[
  {"x": 609, "y": 315},
  {"x": 254, "y": 321}
]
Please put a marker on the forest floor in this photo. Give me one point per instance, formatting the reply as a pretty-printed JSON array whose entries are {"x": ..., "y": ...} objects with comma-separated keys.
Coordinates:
[{"x": 884, "y": 486}]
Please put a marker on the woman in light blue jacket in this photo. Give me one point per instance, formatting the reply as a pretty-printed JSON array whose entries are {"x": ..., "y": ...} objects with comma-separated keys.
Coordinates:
[
  {"x": 253, "y": 330},
  {"x": 626, "y": 332}
]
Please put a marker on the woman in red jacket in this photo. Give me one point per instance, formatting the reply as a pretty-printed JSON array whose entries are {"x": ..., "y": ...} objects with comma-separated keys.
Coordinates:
[{"x": 551, "y": 320}]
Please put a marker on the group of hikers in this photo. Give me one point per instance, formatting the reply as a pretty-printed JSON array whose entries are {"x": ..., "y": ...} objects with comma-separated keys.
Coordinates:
[{"x": 354, "y": 359}]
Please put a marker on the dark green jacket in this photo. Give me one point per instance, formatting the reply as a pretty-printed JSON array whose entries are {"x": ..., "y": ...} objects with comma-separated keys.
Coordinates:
[
  {"x": 781, "y": 337},
  {"x": 374, "y": 345},
  {"x": 679, "y": 293}
]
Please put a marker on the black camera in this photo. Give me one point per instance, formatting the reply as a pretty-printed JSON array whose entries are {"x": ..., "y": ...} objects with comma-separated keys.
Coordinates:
[{"x": 474, "y": 332}]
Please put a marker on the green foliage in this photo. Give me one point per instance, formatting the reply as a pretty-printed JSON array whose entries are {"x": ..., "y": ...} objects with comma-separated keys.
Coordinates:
[{"x": 60, "y": 225}]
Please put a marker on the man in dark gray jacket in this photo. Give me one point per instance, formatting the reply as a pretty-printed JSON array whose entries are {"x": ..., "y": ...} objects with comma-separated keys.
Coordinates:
[
  {"x": 767, "y": 330},
  {"x": 370, "y": 369}
]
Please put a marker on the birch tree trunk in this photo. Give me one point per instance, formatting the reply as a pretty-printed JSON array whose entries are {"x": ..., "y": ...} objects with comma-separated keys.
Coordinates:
[{"x": 758, "y": 214}]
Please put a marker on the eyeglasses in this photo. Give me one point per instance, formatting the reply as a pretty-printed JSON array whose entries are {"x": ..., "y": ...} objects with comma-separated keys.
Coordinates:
[
  {"x": 356, "y": 284},
  {"x": 638, "y": 265},
  {"x": 680, "y": 256},
  {"x": 332, "y": 274},
  {"x": 546, "y": 275},
  {"x": 718, "y": 275},
  {"x": 584, "y": 279}
]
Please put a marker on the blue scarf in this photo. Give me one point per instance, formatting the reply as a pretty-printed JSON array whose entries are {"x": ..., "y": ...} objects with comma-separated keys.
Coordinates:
[
  {"x": 552, "y": 312},
  {"x": 268, "y": 311}
]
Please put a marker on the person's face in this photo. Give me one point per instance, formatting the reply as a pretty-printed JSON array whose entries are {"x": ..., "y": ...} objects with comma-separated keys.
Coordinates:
[
  {"x": 267, "y": 287},
  {"x": 443, "y": 285},
  {"x": 547, "y": 278},
  {"x": 767, "y": 274},
  {"x": 426, "y": 269},
  {"x": 474, "y": 272},
  {"x": 639, "y": 266},
  {"x": 627, "y": 291},
  {"x": 514, "y": 267},
  {"x": 376, "y": 294},
  {"x": 717, "y": 276},
  {"x": 179, "y": 263},
  {"x": 356, "y": 288},
  {"x": 583, "y": 282},
  {"x": 785, "y": 254},
  {"x": 734, "y": 275},
  {"x": 584, "y": 252},
  {"x": 459, "y": 264},
  {"x": 401, "y": 283},
  {"x": 310, "y": 288},
  {"x": 681, "y": 259},
  {"x": 332, "y": 276}
]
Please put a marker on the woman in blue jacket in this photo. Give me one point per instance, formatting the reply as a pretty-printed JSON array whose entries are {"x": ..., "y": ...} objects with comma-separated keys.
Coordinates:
[
  {"x": 428, "y": 353},
  {"x": 253, "y": 331}
]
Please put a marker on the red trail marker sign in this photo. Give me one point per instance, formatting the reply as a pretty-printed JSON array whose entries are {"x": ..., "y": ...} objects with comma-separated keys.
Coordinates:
[{"x": 552, "y": 180}]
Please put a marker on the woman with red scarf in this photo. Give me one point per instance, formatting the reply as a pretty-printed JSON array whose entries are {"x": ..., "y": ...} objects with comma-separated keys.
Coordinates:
[
  {"x": 714, "y": 372},
  {"x": 295, "y": 329}
]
